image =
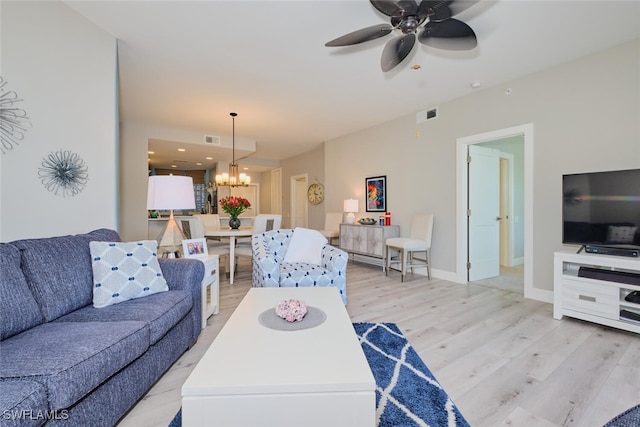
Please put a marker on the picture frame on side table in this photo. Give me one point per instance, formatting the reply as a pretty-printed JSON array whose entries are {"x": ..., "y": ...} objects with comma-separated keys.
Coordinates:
[
  {"x": 376, "y": 193},
  {"x": 195, "y": 248}
]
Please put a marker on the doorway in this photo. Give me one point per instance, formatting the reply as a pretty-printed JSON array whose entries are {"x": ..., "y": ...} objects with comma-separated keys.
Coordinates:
[
  {"x": 524, "y": 134},
  {"x": 299, "y": 217}
]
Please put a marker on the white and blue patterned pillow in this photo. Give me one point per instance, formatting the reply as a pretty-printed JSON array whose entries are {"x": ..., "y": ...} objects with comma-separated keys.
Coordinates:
[{"x": 124, "y": 271}]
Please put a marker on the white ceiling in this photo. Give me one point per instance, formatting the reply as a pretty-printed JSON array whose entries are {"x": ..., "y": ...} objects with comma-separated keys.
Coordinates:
[{"x": 187, "y": 64}]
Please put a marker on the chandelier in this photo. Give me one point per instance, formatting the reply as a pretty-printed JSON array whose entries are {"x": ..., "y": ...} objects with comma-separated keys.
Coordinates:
[{"x": 233, "y": 179}]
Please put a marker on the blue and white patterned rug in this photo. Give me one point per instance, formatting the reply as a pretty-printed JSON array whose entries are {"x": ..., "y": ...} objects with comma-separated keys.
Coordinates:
[{"x": 407, "y": 393}]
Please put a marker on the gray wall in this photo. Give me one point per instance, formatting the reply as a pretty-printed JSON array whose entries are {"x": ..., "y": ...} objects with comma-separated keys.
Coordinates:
[{"x": 585, "y": 115}]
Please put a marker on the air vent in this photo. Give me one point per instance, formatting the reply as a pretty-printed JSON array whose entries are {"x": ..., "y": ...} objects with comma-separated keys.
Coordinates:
[
  {"x": 213, "y": 140},
  {"x": 423, "y": 116}
]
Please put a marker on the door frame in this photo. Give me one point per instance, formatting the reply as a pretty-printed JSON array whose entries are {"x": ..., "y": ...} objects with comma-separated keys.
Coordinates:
[
  {"x": 526, "y": 131},
  {"x": 506, "y": 230},
  {"x": 294, "y": 199}
]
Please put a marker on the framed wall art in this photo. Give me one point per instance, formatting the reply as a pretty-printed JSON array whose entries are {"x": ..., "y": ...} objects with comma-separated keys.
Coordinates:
[{"x": 376, "y": 193}]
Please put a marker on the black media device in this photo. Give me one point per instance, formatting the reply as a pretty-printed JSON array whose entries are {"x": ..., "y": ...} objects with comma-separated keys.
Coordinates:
[
  {"x": 610, "y": 275},
  {"x": 611, "y": 250},
  {"x": 601, "y": 212}
]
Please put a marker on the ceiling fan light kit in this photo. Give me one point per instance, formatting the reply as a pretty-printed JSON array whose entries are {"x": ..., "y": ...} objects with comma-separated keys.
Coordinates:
[{"x": 431, "y": 22}]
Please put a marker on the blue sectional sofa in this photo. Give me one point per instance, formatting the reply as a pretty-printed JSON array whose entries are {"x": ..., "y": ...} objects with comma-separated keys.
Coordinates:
[{"x": 64, "y": 362}]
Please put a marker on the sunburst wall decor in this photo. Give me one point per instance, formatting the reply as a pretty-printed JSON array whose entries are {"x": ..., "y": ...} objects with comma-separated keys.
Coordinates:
[
  {"x": 14, "y": 121},
  {"x": 64, "y": 173}
]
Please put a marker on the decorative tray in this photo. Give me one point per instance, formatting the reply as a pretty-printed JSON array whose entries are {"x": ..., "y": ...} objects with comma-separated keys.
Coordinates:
[{"x": 367, "y": 221}]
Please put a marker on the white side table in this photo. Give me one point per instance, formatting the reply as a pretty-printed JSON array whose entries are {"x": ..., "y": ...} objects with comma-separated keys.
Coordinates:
[{"x": 210, "y": 288}]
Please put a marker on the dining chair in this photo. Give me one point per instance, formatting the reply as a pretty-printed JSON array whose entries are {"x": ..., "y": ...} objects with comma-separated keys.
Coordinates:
[
  {"x": 261, "y": 224},
  {"x": 194, "y": 228},
  {"x": 419, "y": 241},
  {"x": 210, "y": 221},
  {"x": 331, "y": 229}
]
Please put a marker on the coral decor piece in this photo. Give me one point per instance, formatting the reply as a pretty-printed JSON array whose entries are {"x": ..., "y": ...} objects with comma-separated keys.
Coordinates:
[
  {"x": 234, "y": 206},
  {"x": 292, "y": 310}
]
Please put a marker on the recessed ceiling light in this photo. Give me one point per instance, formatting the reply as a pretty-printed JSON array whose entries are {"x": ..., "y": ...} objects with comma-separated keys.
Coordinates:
[
  {"x": 476, "y": 84},
  {"x": 209, "y": 158},
  {"x": 181, "y": 149},
  {"x": 198, "y": 164},
  {"x": 174, "y": 166},
  {"x": 151, "y": 152}
]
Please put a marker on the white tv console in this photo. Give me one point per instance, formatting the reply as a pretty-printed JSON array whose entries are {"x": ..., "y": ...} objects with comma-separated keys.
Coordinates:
[{"x": 598, "y": 301}]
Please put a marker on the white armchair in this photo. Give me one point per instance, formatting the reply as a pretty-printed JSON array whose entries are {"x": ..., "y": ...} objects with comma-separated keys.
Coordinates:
[{"x": 271, "y": 270}]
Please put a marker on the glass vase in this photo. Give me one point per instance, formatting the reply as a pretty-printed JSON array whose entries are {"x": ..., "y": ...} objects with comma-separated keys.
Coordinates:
[{"x": 234, "y": 223}]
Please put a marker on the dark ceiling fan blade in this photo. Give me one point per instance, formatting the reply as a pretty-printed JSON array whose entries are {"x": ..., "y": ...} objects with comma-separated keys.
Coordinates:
[
  {"x": 396, "y": 50},
  {"x": 360, "y": 36},
  {"x": 436, "y": 11},
  {"x": 459, "y": 6},
  {"x": 451, "y": 34},
  {"x": 396, "y": 8}
]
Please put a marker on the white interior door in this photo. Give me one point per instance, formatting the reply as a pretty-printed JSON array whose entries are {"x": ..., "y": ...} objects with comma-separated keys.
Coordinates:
[{"x": 484, "y": 212}]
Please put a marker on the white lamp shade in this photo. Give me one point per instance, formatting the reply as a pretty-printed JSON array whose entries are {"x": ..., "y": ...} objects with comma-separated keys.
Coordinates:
[
  {"x": 170, "y": 192},
  {"x": 350, "y": 205}
]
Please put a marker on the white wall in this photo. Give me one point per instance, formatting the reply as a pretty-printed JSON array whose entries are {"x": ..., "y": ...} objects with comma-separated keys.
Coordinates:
[
  {"x": 585, "y": 116},
  {"x": 64, "y": 68}
]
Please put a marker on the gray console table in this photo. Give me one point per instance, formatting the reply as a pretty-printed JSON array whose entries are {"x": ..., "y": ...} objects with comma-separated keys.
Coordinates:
[{"x": 367, "y": 240}]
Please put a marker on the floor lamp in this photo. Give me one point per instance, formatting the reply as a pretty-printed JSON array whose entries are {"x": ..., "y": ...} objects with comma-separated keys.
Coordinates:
[{"x": 170, "y": 192}]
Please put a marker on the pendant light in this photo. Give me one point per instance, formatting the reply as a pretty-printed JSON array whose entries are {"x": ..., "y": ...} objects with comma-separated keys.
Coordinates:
[{"x": 233, "y": 179}]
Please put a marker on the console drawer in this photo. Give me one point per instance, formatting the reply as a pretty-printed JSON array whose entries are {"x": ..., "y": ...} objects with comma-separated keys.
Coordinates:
[{"x": 590, "y": 298}]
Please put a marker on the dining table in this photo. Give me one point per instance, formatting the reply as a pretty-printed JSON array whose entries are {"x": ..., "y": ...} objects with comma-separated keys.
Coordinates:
[{"x": 232, "y": 234}]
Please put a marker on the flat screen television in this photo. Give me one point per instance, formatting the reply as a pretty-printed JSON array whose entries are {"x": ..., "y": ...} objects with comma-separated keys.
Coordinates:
[{"x": 601, "y": 208}]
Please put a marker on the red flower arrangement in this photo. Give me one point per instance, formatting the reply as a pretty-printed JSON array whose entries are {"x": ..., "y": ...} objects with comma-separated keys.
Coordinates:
[{"x": 234, "y": 206}]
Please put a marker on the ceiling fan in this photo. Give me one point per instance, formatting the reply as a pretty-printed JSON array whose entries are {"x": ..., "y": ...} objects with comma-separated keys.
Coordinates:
[{"x": 431, "y": 19}]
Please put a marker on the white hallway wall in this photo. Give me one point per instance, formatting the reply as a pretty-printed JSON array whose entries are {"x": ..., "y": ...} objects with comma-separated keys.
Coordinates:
[{"x": 64, "y": 69}]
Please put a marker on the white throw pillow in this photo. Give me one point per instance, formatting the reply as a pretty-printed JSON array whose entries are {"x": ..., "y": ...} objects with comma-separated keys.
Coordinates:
[
  {"x": 124, "y": 271},
  {"x": 305, "y": 246},
  {"x": 621, "y": 234}
]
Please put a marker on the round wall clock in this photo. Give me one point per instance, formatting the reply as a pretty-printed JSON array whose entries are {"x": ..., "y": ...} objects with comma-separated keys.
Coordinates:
[{"x": 315, "y": 193}]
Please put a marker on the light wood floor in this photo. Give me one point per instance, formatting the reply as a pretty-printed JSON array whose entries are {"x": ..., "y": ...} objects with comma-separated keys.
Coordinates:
[{"x": 503, "y": 359}]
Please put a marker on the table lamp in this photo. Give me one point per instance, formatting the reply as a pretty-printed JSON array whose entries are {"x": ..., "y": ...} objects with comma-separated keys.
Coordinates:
[
  {"x": 170, "y": 192},
  {"x": 350, "y": 206}
]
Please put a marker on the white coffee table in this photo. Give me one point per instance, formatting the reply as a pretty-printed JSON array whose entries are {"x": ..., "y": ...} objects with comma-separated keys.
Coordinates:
[{"x": 252, "y": 375}]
